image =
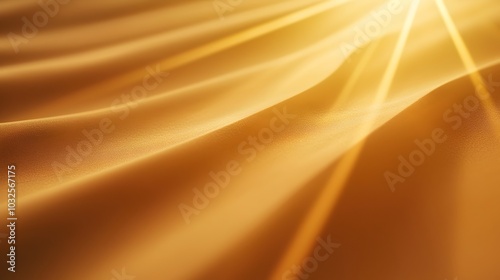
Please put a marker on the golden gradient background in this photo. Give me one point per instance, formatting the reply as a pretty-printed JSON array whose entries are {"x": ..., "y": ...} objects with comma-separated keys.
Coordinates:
[{"x": 323, "y": 175}]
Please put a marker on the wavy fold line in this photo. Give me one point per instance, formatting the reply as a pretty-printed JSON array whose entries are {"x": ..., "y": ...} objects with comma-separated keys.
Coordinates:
[
  {"x": 200, "y": 52},
  {"x": 304, "y": 239},
  {"x": 471, "y": 67},
  {"x": 209, "y": 223},
  {"x": 215, "y": 129}
]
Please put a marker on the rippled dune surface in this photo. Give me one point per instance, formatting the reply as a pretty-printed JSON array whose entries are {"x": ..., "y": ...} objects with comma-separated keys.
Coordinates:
[{"x": 227, "y": 139}]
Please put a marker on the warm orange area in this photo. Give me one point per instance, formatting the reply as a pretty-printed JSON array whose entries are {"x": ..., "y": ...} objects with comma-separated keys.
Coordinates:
[{"x": 252, "y": 140}]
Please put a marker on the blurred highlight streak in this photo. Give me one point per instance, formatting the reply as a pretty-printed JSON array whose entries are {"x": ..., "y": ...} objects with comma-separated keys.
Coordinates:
[
  {"x": 116, "y": 112},
  {"x": 327, "y": 199},
  {"x": 465, "y": 56}
]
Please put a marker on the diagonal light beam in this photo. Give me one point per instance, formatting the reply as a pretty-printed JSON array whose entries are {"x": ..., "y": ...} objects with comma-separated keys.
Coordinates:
[
  {"x": 315, "y": 219},
  {"x": 219, "y": 45},
  {"x": 470, "y": 66}
]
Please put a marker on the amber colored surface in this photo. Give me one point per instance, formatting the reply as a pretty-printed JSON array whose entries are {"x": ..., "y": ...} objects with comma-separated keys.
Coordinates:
[{"x": 356, "y": 112}]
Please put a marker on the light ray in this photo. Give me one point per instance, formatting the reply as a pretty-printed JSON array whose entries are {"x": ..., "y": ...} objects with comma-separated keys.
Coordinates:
[
  {"x": 315, "y": 219},
  {"x": 470, "y": 66},
  {"x": 217, "y": 46},
  {"x": 353, "y": 78}
]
